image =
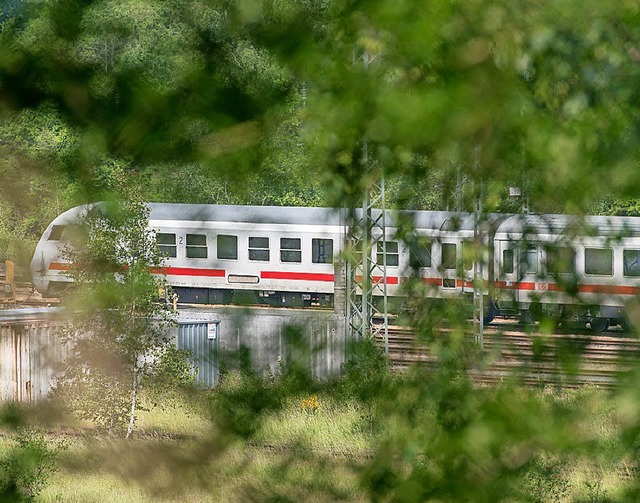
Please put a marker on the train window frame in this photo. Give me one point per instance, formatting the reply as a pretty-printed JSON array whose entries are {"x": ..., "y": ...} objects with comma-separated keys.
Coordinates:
[
  {"x": 626, "y": 266},
  {"x": 393, "y": 253},
  {"x": 56, "y": 232},
  {"x": 525, "y": 253},
  {"x": 503, "y": 262},
  {"x": 288, "y": 253},
  {"x": 322, "y": 250},
  {"x": 220, "y": 246},
  {"x": 170, "y": 250},
  {"x": 550, "y": 250},
  {"x": 259, "y": 249},
  {"x": 195, "y": 248},
  {"x": 421, "y": 253},
  {"x": 467, "y": 256},
  {"x": 594, "y": 249},
  {"x": 449, "y": 265}
]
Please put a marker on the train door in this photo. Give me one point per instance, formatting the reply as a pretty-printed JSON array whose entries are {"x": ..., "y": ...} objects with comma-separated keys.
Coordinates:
[
  {"x": 507, "y": 273},
  {"x": 448, "y": 264},
  {"x": 467, "y": 266}
]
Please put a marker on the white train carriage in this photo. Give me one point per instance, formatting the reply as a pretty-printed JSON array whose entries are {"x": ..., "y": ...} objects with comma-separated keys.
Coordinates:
[
  {"x": 222, "y": 254},
  {"x": 586, "y": 268},
  {"x": 282, "y": 256}
]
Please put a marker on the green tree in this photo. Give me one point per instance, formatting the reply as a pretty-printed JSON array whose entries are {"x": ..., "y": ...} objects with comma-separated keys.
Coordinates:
[
  {"x": 119, "y": 334},
  {"x": 35, "y": 146}
]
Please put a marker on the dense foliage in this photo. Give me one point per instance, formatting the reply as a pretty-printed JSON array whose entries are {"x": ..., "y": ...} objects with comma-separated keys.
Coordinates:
[
  {"x": 268, "y": 103},
  {"x": 310, "y": 102}
]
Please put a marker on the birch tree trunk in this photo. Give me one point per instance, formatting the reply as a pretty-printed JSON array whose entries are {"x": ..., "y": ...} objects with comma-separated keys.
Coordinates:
[{"x": 134, "y": 398}]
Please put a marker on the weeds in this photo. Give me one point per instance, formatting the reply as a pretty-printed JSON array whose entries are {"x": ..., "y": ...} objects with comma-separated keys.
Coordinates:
[
  {"x": 546, "y": 481},
  {"x": 27, "y": 466}
]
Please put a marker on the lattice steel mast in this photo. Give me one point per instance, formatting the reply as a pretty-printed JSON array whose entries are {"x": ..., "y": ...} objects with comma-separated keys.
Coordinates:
[
  {"x": 365, "y": 232},
  {"x": 478, "y": 263}
]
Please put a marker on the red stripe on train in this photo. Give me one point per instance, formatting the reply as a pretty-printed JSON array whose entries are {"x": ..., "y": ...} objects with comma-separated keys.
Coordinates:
[
  {"x": 59, "y": 266},
  {"x": 554, "y": 287},
  {"x": 298, "y": 276},
  {"x": 622, "y": 290},
  {"x": 391, "y": 280},
  {"x": 188, "y": 271},
  {"x": 516, "y": 285},
  {"x": 459, "y": 283}
]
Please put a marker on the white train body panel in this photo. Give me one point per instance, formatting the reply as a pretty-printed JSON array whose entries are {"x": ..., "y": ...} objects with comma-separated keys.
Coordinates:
[
  {"x": 597, "y": 270},
  {"x": 242, "y": 272}
]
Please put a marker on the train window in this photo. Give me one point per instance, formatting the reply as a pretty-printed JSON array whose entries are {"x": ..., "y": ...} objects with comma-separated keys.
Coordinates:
[
  {"x": 561, "y": 259},
  {"x": 420, "y": 253},
  {"x": 196, "y": 246},
  {"x": 393, "y": 256},
  {"x": 529, "y": 260},
  {"x": 507, "y": 261},
  {"x": 448, "y": 256},
  {"x": 468, "y": 255},
  {"x": 259, "y": 249},
  {"x": 290, "y": 250},
  {"x": 56, "y": 232},
  {"x": 322, "y": 251},
  {"x": 598, "y": 261},
  {"x": 631, "y": 262},
  {"x": 167, "y": 244},
  {"x": 227, "y": 247}
]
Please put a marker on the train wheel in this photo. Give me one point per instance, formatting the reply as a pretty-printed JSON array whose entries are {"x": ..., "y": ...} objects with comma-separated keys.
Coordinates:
[
  {"x": 625, "y": 325},
  {"x": 599, "y": 325}
]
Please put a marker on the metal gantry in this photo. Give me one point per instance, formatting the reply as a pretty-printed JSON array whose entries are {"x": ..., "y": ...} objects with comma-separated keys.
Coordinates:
[
  {"x": 366, "y": 277},
  {"x": 478, "y": 277},
  {"x": 365, "y": 231},
  {"x": 478, "y": 263}
]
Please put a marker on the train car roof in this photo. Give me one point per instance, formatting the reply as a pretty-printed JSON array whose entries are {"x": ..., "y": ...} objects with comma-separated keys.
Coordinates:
[
  {"x": 246, "y": 214},
  {"x": 438, "y": 220},
  {"x": 553, "y": 224},
  {"x": 454, "y": 221}
]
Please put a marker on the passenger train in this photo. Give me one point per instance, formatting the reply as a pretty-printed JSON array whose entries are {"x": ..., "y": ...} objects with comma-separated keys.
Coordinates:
[{"x": 586, "y": 268}]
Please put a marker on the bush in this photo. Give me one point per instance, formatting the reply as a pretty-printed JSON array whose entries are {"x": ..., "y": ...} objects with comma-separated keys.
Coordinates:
[{"x": 26, "y": 468}]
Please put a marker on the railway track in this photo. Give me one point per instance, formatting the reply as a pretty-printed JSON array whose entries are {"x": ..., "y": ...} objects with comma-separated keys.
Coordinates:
[
  {"x": 511, "y": 354},
  {"x": 15, "y": 293},
  {"x": 25, "y": 296}
]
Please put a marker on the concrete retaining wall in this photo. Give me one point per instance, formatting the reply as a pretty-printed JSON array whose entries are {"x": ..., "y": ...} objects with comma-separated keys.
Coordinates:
[
  {"x": 31, "y": 349},
  {"x": 313, "y": 339}
]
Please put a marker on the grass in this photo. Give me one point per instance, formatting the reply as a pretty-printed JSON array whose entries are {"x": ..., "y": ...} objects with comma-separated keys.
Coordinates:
[
  {"x": 334, "y": 427},
  {"x": 153, "y": 470},
  {"x": 316, "y": 448},
  {"x": 178, "y": 457}
]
